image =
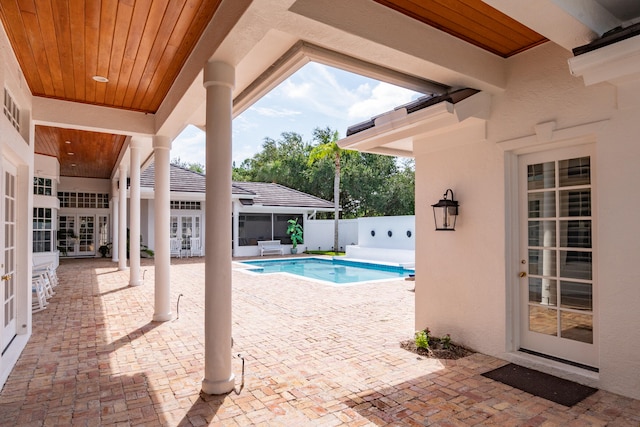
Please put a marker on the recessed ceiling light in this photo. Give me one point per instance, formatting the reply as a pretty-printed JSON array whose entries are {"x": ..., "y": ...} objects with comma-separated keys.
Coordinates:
[
  {"x": 67, "y": 142},
  {"x": 73, "y": 165},
  {"x": 71, "y": 153},
  {"x": 101, "y": 79}
]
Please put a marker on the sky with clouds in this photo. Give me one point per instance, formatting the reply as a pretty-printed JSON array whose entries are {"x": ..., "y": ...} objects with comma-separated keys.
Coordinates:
[{"x": 315, "y": 96}]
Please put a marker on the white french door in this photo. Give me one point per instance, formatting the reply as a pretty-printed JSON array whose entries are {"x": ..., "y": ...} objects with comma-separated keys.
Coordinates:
[
  {"x": 86, "y": 235},
  {"x": 8, "y": 233},
  {"x": 77, "y": 235},
  {"x": 557, "y": 287}
]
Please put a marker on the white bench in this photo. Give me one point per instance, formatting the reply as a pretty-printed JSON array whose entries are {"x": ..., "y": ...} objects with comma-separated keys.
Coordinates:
[{"x": 270, "y": 247}]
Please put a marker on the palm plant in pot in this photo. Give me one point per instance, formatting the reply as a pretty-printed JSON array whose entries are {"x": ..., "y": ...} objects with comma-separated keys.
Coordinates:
[{"x": 294, "y": 230}]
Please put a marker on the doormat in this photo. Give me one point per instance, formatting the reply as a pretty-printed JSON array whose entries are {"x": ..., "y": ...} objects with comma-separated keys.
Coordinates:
[{"x": 555, "y": 389}]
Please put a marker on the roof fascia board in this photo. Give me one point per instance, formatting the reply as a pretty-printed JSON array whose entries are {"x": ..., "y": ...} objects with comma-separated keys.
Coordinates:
[
  {"x": 609, "y": 63},
  {"x": 424, "y": 124},
  {"x": 290, "y": 62},
  {"x": 368, "y": 69},
  {"x": 95, "y": 118}
]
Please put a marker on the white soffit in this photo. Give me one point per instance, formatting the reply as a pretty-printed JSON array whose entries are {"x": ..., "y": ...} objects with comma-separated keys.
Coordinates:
[{"x": 434, "y": 128}]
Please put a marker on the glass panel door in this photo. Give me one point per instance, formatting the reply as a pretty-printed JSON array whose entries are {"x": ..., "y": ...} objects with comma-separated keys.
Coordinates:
[
  {"x": 67, "y": 237},
  {"x": 556, "y": 275},
  {"x": 186, "y": 227},
  {"x": 86, "y": 235},
  {"x": 8, "y": 307}
]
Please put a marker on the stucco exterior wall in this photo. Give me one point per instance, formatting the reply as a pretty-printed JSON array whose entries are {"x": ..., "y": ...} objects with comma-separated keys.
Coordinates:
[
  {"x": 459, "y": 274},
  {"x": 464, "y": 283},
  {"x": 618, "y": 244}
]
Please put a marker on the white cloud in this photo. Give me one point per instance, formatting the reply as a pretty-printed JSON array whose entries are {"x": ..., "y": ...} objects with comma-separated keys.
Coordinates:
[
  {"x": 295, "y": 91},
  {"x": 275, "y": 112},
  {"x": 189, "y": 146},
  {"x": 384, "y": 97}
]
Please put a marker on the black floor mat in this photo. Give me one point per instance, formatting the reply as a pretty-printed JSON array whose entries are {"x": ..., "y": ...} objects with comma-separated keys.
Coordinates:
[{"x": 555, "y": 389}]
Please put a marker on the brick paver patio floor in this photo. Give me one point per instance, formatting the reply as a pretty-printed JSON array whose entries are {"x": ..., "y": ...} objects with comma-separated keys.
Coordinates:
[{"x": 315, "y": 355}]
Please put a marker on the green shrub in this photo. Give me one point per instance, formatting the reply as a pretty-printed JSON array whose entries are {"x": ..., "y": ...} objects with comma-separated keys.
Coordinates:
[
  {"x": 422, "y": 339},
  {"x": 446, "y": 341}
]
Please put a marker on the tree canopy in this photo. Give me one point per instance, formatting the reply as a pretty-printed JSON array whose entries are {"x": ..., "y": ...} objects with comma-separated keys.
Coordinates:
[
  {"x": 371, "y": 184},
  {"x": 194, "y": 167}
]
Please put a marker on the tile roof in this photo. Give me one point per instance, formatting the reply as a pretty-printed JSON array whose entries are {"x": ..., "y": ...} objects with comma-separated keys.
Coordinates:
[
  {"x": 269, "y": 194},
  {"x": 610, "y": 37},
  {"x": 262, "y": 193}
]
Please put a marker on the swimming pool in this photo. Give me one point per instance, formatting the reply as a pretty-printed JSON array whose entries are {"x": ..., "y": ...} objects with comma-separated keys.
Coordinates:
[{"x": 336, "y": 271}]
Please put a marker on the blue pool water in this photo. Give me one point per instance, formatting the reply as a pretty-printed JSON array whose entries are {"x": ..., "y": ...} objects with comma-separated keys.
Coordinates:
[{"x": 330, "y": 270}]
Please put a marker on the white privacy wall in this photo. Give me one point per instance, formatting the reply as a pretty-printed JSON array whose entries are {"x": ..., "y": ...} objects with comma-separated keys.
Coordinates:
[
  {"x": 466, "y": 280},
  {"x": 387, "y": 232},
  {"x": 319, "y": 233}
]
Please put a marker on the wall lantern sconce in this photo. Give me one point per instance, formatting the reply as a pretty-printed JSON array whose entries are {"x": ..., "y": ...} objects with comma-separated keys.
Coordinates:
[{"x": 445, "y": 212}]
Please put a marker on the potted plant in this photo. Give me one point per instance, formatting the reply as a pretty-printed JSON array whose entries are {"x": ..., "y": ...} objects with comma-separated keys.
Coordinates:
[
  {"x": 105, "y": 250},
  {"x": 295, "y": 231}
]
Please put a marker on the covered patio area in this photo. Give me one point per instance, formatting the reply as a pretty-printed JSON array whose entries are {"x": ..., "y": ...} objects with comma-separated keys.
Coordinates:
[{"x": 314, "y": 355}]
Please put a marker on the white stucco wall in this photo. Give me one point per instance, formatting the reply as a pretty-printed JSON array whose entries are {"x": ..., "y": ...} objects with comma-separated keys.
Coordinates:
[
  {"x": 385, "y": 238},
  {"x": 318, "y": 233},
  {"x": 466, "y": 280},
  {"x": 618, "y": 247}
]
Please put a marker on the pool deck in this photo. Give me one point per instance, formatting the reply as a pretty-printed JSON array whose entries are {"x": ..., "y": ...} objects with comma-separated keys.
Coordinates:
[{"x": 315, "y": 355}]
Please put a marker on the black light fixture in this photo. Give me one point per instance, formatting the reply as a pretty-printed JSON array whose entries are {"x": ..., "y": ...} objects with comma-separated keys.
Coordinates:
[{"x": 445, "y": 213}]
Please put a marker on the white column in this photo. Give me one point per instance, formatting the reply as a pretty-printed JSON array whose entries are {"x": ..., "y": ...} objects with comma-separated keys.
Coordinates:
[
  {"x": 134, "y": 213},
  {"x": 236, "y": 224},
  {"x": 115, "y": 206},
  {"x": 219, "y": 80},
  {"x": 122, "y": 230},
  {"x": 161, "y": 153}
]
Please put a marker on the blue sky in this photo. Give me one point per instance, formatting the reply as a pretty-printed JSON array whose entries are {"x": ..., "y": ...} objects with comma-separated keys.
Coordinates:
[{"x": 315, "y": 96}]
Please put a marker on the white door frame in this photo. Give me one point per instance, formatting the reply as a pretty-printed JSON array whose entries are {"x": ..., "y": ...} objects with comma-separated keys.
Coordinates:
[
  {"x": 582, "y": 134},
  {"x": 9, "y": 307},
  {"x": 573, "y": 350}
]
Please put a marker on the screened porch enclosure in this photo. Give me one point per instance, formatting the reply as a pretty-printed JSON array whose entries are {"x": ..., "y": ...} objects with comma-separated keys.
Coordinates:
[{"x": 254, "y": 227}]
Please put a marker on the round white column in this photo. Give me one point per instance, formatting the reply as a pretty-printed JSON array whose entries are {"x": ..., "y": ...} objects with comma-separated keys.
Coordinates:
[
  {"x": 219, "y": 80},
  {"x": 162, "y": 294},
  {"x": 122, "y": 221},
  {"x": 115, "y": 206},
  {"x": 134, "y": 213}
]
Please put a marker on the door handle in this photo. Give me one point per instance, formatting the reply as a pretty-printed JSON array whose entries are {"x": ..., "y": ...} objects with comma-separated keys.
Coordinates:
[
  {"x": 523, "y": 274},
  {"x": 7, "y": 277}
]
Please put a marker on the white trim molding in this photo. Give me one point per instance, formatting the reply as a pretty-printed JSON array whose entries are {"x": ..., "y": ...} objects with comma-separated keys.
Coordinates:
[
  {"x": 441, "y": 126},
  {"x": 618, "y": 64}
]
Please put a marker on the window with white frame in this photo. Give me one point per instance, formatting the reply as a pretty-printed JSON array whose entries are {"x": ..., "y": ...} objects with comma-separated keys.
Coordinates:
[
  {"x": 11, "y": 110},
  {"x": 42, "y": 230},
  {"x": 69, "y": 199},
  {"x": 185, "y": 205},
  {"x": 42, "y": 186}
]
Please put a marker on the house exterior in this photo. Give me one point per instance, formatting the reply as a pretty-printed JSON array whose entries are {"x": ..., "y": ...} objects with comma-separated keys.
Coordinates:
[
  {"x": 260, "y": 210},
  {"x": 530, "y": 118}
]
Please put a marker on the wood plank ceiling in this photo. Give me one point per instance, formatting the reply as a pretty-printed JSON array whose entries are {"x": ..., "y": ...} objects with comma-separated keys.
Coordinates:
[
  {"x": 472, "y": 21},
  {"x": 138, "y": 45},
  {"x": 80, "y": 153},
  {"x": 141, "y": 45}
]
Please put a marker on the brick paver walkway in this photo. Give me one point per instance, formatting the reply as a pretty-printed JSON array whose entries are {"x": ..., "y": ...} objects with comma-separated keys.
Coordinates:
[{"x": 315, "y": 355}]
